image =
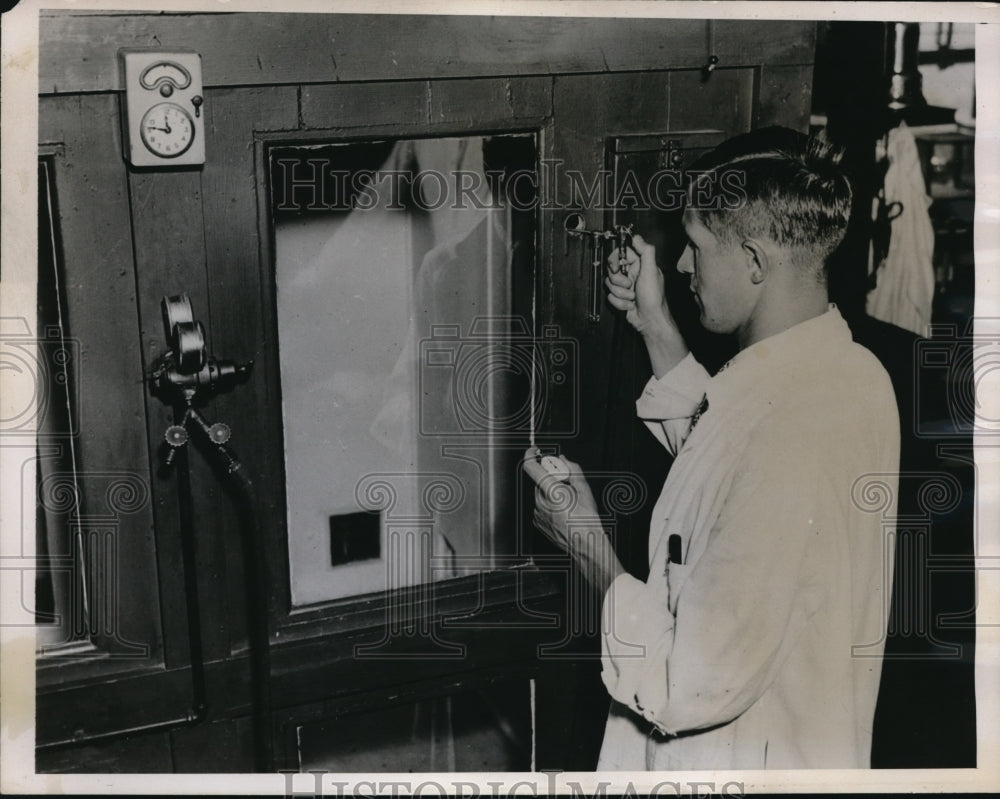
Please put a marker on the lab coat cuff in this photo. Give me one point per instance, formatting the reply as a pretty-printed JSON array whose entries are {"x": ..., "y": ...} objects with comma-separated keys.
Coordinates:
[
  {"x": 675, "y": 395},
  {"x": 636, "y": 636}
]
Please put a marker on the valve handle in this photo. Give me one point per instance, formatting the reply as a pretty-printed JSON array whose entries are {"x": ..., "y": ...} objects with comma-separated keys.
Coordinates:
[
  {"x": 219, "y": 433},
  {"x": 176, "y": 436}
]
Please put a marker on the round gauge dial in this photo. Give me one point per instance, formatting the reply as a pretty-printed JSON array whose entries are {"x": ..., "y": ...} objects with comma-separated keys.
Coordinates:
[{"x": 167, "y": 130}]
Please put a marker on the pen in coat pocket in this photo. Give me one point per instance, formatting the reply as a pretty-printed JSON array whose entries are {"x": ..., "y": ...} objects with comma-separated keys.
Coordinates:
[{"x": 674, "y": 548}]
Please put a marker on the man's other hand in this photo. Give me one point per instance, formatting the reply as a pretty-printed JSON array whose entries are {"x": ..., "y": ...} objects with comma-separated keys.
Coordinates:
[{"x": 566, "y": 513}]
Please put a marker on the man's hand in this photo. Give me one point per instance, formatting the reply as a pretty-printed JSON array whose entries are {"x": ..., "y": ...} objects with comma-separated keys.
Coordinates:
[
  {"x": 567, "y": 514},
  {"x": 638, "y": 290}
]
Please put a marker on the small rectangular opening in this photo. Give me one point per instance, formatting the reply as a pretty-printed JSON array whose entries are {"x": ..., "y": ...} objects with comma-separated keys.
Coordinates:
[{"x": 354, "y": 536}]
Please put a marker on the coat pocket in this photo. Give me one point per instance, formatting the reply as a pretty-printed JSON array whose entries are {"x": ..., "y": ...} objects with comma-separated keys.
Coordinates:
[{"x": 677, "y": 576}]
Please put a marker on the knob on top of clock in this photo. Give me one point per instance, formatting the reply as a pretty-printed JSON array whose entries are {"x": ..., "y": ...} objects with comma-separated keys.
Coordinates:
[{"x": 162, "y": 114}]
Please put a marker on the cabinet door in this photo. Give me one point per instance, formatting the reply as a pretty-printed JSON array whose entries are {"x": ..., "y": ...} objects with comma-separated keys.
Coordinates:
[
  {"x": 613, "y": 133},
  {"x": 97, "y": 511},
  {"x": 127, "y": 238}
]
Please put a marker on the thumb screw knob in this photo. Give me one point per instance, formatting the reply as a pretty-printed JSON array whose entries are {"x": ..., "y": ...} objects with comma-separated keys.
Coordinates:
[
  {"x": 176, "y": 436},
  {"x": 219, "y": 433}
]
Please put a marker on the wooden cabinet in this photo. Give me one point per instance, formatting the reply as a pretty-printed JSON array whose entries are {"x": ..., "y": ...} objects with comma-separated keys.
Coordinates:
[{"x": 129, "y": 237}]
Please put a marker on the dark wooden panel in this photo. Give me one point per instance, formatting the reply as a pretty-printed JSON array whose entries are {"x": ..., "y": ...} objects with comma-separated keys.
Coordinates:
[
  {"x": 319, "y": 668},
  {"x": 131, "y": 701},
  {"x": 353, "y": 105},
  {"x": 100, "y": 293},
  {"x": 239, "y": 319},
  {"x": 469, "y": 102},
  {"x": 78, "y": 52},
  {"x": 170, "y": 259},
  {"x": 219, "y": 747},
  {"x": 588, "y": 111},
  {"x": 785, "y": 96},
  {"x": 101, "y": 707},
  {"x": 146, "y": 754},
  {"x": 746, "y": 41},
  {"x": 170, "y": 240},
  {"x": 723, "y": 101}
]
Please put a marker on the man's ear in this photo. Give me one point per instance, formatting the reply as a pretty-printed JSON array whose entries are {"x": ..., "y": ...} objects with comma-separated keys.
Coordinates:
[{"x": 758, "y": 260}]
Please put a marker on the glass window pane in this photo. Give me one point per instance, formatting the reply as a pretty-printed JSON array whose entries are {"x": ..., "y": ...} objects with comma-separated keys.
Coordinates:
[
  {"x": 405, "y": 365},
  {"x": 62, "y": 582}
]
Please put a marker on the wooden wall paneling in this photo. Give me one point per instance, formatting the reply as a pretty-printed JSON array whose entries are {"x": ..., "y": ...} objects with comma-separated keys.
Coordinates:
[
  {"x": 785, "y": 96},
  {"x": 241, "y": 321},
  {"x": 739, "y": 42},
  {"x": 220, "y": 747},
  {"x": 425, "y": 106},
  {"x": 333, "y": 105},
  {"x": 469, "y": 102},
  {"x": 78, "y": 52},
  {"x": 723, "y": 101},
  {"x": 505, "y": 631},
  {"x": 148, "y": 697},
  {"x": 100, "y": 292},
  {"x": 142, "y": 754},
  {"x": 170, "y": 259},
  {"x": 587, "y": 110}
]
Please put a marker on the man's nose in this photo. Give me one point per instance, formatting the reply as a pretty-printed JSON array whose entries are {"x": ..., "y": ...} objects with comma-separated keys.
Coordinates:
[{"x": 685, "y": 265}]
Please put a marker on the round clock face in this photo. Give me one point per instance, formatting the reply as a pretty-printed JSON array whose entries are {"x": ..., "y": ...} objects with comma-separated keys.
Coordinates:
[{"x": 167, "y": 130}]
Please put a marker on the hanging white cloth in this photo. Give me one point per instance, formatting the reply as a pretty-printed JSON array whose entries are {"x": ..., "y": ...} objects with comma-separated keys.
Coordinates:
[{"x": 904, "y": 291}]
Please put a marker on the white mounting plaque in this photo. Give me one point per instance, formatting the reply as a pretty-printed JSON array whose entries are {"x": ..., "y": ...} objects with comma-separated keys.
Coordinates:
[{"x": 163, "y": 119}]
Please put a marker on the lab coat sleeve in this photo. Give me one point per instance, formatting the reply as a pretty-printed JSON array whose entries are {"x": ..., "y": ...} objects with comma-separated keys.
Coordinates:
[
  {"x": 702, "y": 657},
  {"x": 667, "y": 404}
]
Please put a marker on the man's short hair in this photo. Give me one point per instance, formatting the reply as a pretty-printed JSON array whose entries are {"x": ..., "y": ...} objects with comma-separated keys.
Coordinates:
[{"x": 778, "y": 184}]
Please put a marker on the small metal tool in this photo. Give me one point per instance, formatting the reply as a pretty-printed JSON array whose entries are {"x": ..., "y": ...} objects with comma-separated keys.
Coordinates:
[{"x": 576, "y": 225}]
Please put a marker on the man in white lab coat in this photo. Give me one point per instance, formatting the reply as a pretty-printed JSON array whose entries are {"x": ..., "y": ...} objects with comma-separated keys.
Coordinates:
[{"x": 756, "y": 641}]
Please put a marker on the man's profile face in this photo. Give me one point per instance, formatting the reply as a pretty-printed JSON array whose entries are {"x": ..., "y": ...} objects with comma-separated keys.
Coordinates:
[{"x": 719, "y": 277}]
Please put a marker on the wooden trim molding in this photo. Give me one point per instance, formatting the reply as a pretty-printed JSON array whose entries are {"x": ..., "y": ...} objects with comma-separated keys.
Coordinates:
[{"x": 78, "y": 52}]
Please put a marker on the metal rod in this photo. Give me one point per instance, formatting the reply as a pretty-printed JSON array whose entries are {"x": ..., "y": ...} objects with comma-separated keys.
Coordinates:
[
  {"x": 575, "y": 225},
  {"x": 139, "y": 729},
  {"x": 595, "y": 280},
  {"x": 189, "y": 558},
  {"x": 256, "y": 585}
]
